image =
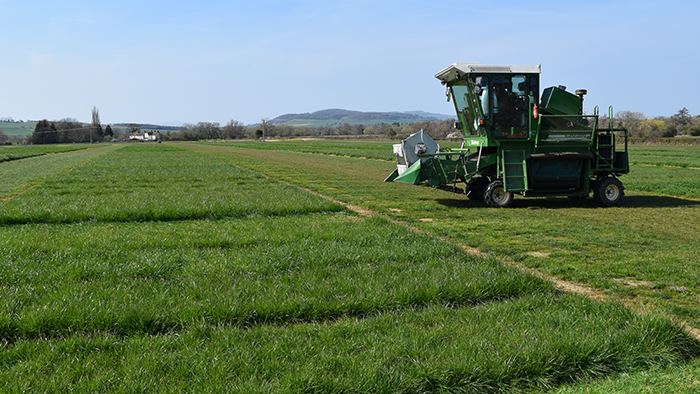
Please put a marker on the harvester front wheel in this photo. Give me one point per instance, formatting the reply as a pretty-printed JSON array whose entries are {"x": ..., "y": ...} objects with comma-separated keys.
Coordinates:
[
  {"x": 608, "y": 192},
  {"x": 475, "y": 188},
  {"x": 496, "y": 196}
]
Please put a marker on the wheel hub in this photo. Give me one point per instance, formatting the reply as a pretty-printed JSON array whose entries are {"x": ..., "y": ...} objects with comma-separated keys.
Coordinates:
[
  {"x": 612, "y": 192},
  {"x": 499, "y": 195}
]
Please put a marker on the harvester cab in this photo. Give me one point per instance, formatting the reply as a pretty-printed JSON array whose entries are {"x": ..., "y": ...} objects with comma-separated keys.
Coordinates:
[{"x": 517, "y": 141}]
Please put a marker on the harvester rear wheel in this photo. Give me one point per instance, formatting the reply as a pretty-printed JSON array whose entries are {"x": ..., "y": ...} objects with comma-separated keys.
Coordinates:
[
  {"x": 495, "y": 195},
  {"x": 608, "y": 192}
]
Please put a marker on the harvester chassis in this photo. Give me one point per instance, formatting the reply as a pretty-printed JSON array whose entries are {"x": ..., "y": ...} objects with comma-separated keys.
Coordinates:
[{"x": 517, "y": 143}]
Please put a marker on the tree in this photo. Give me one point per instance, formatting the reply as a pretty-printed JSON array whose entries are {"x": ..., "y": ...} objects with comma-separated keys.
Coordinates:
[
  {"x": 632, "y": 121},
  {"x": 652, "y": 128},
  {"x": 208, "y": 130},
  {"x": 387, "y": 130},
  {"x": 72, "y": 130},
  {"x": 45, "y": 133},
  {"x": 96, "y": 126},
  {"x": 267, "y": 127},
  {"x": 679, "y": 122},
  {"x": 109, "y": 132},
  {"x": 3, "y": 137},
  {"x": 233, "y": 130}
]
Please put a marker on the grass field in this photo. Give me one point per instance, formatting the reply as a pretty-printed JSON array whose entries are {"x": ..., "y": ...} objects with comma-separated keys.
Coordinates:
[
  {"x": 204, "y": 268},
  {"x": 8, "y": 153},
  {"x": 19, "y": 129}
]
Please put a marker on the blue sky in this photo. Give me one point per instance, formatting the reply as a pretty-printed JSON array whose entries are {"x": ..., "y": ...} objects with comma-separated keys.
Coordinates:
[{"x": 214, "y": 61}]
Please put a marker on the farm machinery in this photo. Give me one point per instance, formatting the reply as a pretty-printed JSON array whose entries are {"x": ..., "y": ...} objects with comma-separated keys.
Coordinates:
[{"x": 517, "y": 141}]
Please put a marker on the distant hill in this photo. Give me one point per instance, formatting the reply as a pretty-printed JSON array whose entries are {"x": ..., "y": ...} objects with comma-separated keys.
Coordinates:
[
  {"x": 339, "y": 116},
  {"x": 147, "y": 126},
  {"x": 430, "y": 115}
]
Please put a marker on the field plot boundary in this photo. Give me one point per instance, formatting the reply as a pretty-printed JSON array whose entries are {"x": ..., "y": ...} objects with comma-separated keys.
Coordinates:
[{"x": 21, "y": 192}]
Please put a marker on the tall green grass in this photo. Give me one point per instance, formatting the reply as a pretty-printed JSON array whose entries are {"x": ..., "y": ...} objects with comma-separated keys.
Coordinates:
[
  {"x": 536, "y": 342},
  {"x": 681, "y": 379},
  {"x": 169, "y": 268},
  {"x": 133, "y": 279},
  {"x": 156, "y": 182}
]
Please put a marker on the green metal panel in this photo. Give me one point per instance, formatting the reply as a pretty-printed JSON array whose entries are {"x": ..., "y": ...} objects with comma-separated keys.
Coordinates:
[
  {"x": 392, "y": 176},
  {"x": 412, "y": 175},
  {"x": 556, "y": 174},
  {"x": 514, "y": 170},
  {"x": 559, "y": 101}
]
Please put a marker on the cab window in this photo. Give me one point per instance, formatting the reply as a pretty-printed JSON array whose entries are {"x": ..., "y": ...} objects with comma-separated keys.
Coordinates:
[{"x": 510, "y": 105}]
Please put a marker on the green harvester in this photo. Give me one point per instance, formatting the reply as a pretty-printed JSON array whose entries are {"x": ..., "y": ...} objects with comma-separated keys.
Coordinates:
[{"x": 517, "y": 141}]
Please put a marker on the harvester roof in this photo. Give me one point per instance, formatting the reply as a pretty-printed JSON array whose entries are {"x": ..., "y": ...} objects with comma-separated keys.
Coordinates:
[{"x": 455, "y": 70}]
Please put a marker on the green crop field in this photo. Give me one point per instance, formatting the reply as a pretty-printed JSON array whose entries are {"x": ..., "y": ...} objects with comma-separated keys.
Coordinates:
[
  {"x": 8, "y": 153},
  {"x": 19, "y": 129},
  {"x": 223, "y": 268}
]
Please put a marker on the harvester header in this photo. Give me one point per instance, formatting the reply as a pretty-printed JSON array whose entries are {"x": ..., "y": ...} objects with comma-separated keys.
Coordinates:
[{"x": 517, "y": 141}]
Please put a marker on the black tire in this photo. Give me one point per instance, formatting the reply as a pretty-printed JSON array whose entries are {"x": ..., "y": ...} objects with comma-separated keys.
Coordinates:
[
  {"x": 475, "y": 189},
  {"x": 608, "y": 192},
  {"x": 495, "y": 195}
]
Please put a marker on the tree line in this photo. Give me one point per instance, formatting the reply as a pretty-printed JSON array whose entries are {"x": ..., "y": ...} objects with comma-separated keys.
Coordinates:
[
  {"x": 69, "y": 130},
  {"x": 234, "y": 129},
  {"x": 680, "y": 124},
  {"x": 640, "y": 127}
]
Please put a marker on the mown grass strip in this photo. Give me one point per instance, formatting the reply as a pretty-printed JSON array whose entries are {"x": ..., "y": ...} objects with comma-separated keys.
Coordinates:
[
  {"x": 660, "y": 155},
  {"x": 532, "y": 343},
  {"x": 23, "y": 152},
  {"x": 363, "y": 149},
  {"x": 668, "y": 181}
]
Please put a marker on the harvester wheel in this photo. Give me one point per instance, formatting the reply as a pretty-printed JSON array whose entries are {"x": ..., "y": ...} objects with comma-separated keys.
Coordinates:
[
  {"x": 608, "y": 192},
  {"x": 495, "y": 195},
  {"x": 475, "y": 188}
]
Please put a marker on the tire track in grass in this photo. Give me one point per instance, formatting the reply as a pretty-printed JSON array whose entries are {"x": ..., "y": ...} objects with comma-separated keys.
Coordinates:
[{"x": 10, "y": 197}]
